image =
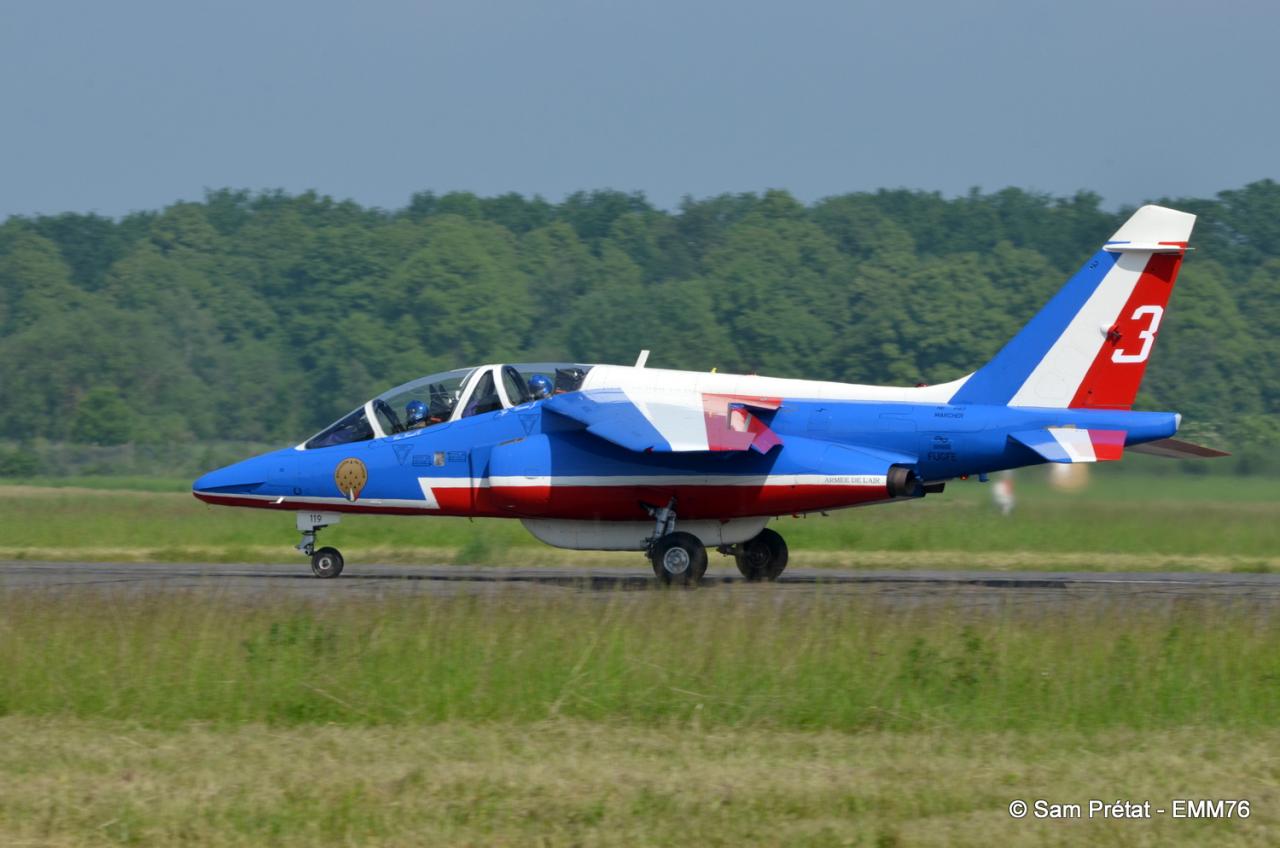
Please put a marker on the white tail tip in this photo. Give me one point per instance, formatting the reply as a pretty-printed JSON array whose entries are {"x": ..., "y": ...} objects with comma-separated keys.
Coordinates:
[{"x": 1156, "y": 225}]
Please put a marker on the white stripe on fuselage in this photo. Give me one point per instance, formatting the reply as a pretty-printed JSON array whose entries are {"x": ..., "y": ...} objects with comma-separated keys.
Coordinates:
[
  {"x": 696, "y": 480},
  {"x": 677, "y": 387},
  {"x": 429, "y": 496}
]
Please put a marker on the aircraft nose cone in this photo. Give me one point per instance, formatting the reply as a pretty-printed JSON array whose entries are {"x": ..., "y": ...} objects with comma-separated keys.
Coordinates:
[
  {"x": 271, "y": 473},
  {"x": 238, "y": 478}
]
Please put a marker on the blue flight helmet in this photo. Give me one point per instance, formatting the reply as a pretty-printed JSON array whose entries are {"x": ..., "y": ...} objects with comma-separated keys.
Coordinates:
[
  {"x": 415, "y": 412},
  {"x": 540, "y": 386}
]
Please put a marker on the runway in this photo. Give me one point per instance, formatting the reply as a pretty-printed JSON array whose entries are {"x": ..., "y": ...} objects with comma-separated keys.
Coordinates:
[{"x": 995, "y": 590}]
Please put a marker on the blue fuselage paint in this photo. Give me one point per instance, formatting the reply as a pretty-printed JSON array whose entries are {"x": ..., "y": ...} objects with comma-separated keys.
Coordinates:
[{"x": 938, "y": 441}]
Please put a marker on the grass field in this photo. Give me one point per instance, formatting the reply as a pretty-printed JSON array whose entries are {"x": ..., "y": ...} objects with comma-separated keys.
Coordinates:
[
  {"x": 563, "y": 782},
  {"x": 657, "y": 658},
  {"x": 1123, "y": 521},
  {"x": 629, "y": 718}
]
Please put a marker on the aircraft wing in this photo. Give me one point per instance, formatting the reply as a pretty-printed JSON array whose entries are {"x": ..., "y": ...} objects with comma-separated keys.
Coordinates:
[
  {"x": 671, "y": 421},
  {"x": 1068, "y": 444}
]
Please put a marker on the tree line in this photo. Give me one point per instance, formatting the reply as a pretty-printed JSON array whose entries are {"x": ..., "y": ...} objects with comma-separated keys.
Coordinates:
[{"x": 263, "y": 316}]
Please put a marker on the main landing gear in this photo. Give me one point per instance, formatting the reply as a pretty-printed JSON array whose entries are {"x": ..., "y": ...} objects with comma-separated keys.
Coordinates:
[
  {"x": 676, "y": 557},
  {"x": 761, "y": 558},
  {"x": 325, "y": 562},
  {"x": 681, "y": 558}
]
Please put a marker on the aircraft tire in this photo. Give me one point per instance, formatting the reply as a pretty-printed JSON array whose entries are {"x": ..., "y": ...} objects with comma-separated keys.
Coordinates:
[
  {"x": 679, "y": 558},
  {"x": 762, "y": 558},
  {"x": 326, "y": 563}
]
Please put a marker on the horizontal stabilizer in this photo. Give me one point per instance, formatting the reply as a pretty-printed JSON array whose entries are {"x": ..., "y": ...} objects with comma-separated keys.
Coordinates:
[
  {"x": 1146, "y": 247},
  {"x": 1177, "y": 449},
  {"x": 1068, "y": 444},
  {"x": 671, "y": 421}
]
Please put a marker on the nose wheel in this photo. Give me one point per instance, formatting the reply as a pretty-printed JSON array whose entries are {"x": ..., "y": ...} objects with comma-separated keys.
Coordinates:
[{"x": 326, "y": 562}]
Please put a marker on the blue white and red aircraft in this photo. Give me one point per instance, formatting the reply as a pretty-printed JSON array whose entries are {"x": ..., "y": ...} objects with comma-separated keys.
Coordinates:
[{"x": 609, "y": 457}]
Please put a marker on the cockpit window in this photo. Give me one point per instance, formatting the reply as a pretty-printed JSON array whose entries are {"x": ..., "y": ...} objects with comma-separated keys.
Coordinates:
[
  {"x": 569, "y": 379},
  {"x": 352, "y": 427},
  {"x": 561, "y": 376},
  {"x": 514, "y": 386},
  {"x": 484, "y": 398},
  {"x": 421, "y": 403},
  {"x": 433, "y": 400}
]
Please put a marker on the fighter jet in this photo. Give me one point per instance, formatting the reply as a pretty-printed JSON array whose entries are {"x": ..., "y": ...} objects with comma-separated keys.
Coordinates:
[{"x": 673, "y": 463}]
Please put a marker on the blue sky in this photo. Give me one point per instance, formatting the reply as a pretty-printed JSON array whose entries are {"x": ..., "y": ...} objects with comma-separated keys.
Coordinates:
[{"x": 113, "y": 107}]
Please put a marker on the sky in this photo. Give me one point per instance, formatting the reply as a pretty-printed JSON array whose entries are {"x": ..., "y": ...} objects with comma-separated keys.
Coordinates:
[{"x": 112, "y": 107}]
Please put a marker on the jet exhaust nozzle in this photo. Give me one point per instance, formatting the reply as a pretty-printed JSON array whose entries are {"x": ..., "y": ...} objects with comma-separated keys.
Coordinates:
[{"x": 903, "y": 482}]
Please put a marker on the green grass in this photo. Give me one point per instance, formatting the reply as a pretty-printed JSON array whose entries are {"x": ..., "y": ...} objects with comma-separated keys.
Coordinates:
[
  {"x": 563, "y": 782},
  {"x": 645, "y": 658},
  {"x": 105, "y": 483},
  {"x": 1123, "y": 521}
]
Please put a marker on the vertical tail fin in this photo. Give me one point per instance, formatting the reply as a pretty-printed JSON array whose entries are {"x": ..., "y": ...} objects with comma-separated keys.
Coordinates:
[{"x": 1088, "y": 347}]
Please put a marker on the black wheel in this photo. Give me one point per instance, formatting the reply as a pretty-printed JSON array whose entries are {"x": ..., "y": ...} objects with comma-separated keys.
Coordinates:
[
  {"x": 679, "y": 558},
  {"x": 326, "y": 562},
  {"x": 762, "y": 558}
]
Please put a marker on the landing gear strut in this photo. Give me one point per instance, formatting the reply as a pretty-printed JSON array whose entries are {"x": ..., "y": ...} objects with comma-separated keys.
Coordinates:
[
  {"x": 761, "y": 558},
  {"x": 325, "y": 562},
  {"x": 676, "y": 557}
]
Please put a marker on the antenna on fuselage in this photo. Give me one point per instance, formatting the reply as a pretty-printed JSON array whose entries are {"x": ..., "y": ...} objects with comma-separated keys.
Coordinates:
[{"x": 642, "y": 358}]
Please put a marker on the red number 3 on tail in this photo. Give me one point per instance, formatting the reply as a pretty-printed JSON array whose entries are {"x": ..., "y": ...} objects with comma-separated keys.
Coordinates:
[{"x": 1148, "y": 335}]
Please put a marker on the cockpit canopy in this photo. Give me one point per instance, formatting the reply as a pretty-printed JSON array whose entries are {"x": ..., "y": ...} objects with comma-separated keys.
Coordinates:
[{"x": 448, "y": 396}]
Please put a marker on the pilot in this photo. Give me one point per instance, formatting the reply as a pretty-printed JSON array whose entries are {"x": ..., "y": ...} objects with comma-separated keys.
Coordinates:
[
  {"x": 415, "y": 414},
  {"x": 540, "y": 386}
]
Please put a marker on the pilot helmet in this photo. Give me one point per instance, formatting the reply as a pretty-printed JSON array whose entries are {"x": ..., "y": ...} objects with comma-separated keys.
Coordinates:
[
  {"x": 415, "y": 411},
  {"x": 540, "y": 386}
]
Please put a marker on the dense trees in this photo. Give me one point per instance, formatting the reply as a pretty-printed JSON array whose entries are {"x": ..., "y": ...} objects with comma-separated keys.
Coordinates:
[{"x": 263, "y": 316}]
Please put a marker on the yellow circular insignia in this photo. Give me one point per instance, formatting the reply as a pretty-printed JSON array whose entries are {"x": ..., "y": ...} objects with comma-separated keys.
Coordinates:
[{"x": 350, "y": 475}]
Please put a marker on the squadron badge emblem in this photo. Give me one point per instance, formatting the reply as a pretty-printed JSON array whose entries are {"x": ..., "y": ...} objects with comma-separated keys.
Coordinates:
[{"x": 350, "y": 476}]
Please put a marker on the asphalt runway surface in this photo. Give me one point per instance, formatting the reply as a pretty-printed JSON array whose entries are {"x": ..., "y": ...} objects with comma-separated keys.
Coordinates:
[{"x": 982, "y": 590}]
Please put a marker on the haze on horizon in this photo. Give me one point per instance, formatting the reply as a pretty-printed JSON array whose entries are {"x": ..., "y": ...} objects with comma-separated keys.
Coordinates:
[{"x": 111, "y": 108}]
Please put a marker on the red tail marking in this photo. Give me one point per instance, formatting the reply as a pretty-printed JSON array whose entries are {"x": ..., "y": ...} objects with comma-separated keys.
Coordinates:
[{"x": 1112, "y": 384}]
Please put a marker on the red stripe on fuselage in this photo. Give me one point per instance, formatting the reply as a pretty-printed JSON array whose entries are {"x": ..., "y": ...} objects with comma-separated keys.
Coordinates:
[
  {"x": 1113, "y": 385},
  {"x": 600, "y": 503},
  {"x": 625, "y": 503},
  {"x": 300, "y": 504}
]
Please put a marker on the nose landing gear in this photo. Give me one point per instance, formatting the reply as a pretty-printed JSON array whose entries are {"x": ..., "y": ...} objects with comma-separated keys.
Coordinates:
[{"x": 326, "y": 562}]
